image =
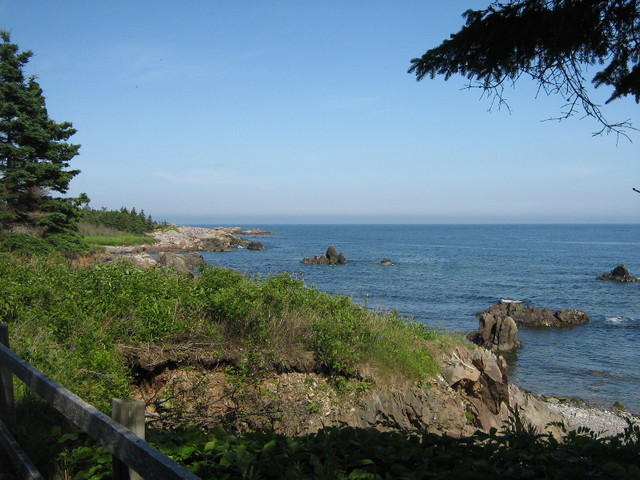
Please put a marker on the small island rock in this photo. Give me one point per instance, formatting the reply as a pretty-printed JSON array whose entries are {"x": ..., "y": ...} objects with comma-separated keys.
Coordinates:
[
  {"x": 255, "y": 246},
  {"x": 527, "y": 316},
  {"x": 386, "y": 262},
  {"x": 330, "y": 258},
  {"x": 619, "y": 274}
]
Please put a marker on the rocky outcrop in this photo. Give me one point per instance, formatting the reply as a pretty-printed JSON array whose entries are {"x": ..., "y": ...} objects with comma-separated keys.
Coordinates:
[
  {"x": 172, "y": 261},
  {"x": 473, "y": 392},
  {"x": 496, "y": 333},
  {"x": 255, "y": 246},
  {"x": 330, "y": 258},
  {"x": 189, "y": 239},
  {"x": 386, "y": 262},
  {"x": 183, "y": 264},
  {"x": 619, "y": 274},
  {"x": 527, "y": 316},
  {"x": 193, "y": 259},
  {"x": 138, "y": 260}
]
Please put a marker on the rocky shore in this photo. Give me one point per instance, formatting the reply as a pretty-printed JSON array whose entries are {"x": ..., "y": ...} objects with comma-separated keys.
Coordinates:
[
  {"x": 190, "y": 239},
  {"x": 473, "y": 391},
  {"x": 576, "y": 414}
]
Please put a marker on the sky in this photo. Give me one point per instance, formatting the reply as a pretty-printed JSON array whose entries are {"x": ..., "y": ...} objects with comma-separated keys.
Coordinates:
[{"x": 289, "y": 111}]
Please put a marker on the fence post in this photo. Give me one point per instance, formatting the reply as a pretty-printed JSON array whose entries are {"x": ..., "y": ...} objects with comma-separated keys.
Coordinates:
[
  {"x": 130, "y": 414},
  {"x": 7, "y": 400}
]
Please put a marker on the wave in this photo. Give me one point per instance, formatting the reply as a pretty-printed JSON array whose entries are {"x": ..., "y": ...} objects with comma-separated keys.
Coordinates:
[{"x": 618, "y": 320}]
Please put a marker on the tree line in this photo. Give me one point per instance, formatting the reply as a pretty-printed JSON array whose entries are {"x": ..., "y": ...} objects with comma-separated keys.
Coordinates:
[{"x": 124, "y": 220}]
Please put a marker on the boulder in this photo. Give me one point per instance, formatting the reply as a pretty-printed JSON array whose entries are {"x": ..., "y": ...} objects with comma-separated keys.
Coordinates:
[
  {"x": 255, "y": 246},
  {"x": 216, "y": 244},
  {"x": 194, "y": 259},
  {"x": 483, "y": 383},
  {"x": 386, "y": 262},
  {"x": 496, "y": 333},
  {"x": 619, "y": 274},
  {"x": 330, "y": 258},
  {"x": 173, "y": 260},
  {"x": 138, "y": 260},
  {"x": 527, "y": 316}
]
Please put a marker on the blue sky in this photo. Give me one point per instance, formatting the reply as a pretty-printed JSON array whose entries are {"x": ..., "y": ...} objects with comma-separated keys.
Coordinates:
[{"x": 303, "y": 112}]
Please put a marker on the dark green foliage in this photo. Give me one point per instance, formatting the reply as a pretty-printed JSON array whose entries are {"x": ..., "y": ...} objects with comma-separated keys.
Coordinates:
[
  {"x": 352, "y": 453},
  {"x": 34, "y": 154},
  {"x": 123, "y": 220},
  {"x": 549, "y": 41},
  {"x": 53, "y": 242}
]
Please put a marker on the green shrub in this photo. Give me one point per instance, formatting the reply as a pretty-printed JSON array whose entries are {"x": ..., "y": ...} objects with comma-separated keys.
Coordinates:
[{"x": 67, "y": 320}]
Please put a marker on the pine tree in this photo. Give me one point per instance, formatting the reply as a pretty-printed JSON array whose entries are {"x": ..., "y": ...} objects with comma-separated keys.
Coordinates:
[{"x": 34, "y": 153}]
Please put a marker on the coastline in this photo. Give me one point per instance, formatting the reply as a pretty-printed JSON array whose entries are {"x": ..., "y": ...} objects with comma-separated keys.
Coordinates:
[
  {"x": 575, "y": 413},
  {"x": 603, "y": 422}
]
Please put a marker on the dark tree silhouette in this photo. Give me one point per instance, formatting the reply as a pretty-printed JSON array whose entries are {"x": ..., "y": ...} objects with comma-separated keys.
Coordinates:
[{"x": 550, "y": 41}]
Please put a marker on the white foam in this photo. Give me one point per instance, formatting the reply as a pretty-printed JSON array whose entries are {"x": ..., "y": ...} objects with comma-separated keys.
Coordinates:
[{"x": 617, "y": 320}]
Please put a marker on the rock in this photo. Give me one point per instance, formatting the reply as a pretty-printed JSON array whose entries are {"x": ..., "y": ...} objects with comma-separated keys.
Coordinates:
[
  {"x": 473, "y": 393},
  {"x": 139, "y": 260},
  {"x": 189, "y": 239},
  {"x": 496, "y": 333},
  {"x": 193, "y": 259},
  {"x": 332, "y": 254},
  {"x": 174, "y": 260},
  {"x": 330, "y": 258},
  {"x": 216, "y": 244},
  {"x": 255, "y": 246},
  {"x": 527, "y": 316},
  {"x": 458, "y": 370},
  {"x": 619, "y": 274},
  {"x": 386, "y": 262}
]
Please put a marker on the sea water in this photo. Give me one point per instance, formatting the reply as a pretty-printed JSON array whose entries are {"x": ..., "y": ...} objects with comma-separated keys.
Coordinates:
[{"x": 444, "y": 274}]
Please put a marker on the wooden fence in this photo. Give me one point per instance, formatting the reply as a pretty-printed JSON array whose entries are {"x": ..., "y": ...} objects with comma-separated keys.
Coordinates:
[{"x": 124, "y": 445}]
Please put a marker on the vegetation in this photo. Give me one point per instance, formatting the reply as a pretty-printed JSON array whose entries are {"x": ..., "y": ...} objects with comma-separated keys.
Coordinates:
[
  {"x": 34, "y": 154},
  {"x": 67, "y": 320},
  {"x": 72, "y": 322},
  {"x": 351, "y": 453},
  {"x": 123, "y": 220},
  {"x": 551, "y": 42}
]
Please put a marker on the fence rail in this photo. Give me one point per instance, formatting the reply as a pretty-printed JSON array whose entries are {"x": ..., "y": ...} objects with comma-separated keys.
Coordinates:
[{"x": 121, "y": 442}]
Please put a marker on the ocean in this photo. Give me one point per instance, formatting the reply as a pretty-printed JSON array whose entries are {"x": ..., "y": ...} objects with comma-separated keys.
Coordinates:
[{"x": 444, "y": 274}]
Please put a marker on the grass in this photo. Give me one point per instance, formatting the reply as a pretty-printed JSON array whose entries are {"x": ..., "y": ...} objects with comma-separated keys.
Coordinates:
[
  {"x": 101, "y": 235},
  {"x": 68, "y": 320}
]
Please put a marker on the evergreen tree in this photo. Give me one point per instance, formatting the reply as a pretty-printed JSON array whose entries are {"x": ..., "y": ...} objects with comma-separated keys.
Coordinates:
[{"x": 34, "y": 153}]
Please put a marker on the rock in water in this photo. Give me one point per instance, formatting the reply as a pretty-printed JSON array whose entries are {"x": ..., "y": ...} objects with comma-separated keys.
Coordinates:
[
  {"x": 527, "y": 316},
  {"x": 330, "y": 258},
  {"x": 498, "y": 334},
  {"x": 255, "y": 246},
  {"x": 619, "y": 274}
]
